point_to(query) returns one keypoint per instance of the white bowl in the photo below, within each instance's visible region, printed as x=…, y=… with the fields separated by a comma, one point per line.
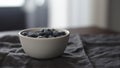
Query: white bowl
x=44, y=48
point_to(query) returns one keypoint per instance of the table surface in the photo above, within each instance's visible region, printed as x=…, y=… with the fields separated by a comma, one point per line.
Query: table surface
x=102, y=50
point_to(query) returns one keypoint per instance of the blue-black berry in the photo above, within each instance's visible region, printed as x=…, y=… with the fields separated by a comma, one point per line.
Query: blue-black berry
x=55, y=34
x=62, y=33
x=32, y=34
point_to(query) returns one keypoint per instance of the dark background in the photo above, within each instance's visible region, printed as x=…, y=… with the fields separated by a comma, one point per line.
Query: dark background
x=12, y=18
x=114, y=15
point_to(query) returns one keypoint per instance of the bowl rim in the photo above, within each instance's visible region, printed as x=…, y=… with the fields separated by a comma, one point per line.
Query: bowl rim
x=65, y=30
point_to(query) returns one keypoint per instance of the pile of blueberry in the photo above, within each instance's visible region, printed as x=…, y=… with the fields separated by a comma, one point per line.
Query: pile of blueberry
x=43, y=33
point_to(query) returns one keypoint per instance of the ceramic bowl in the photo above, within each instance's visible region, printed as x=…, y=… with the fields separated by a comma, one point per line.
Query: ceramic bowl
x=44, y=48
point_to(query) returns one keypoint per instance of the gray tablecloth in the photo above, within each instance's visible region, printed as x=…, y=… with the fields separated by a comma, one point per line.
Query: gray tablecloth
x=95, y=51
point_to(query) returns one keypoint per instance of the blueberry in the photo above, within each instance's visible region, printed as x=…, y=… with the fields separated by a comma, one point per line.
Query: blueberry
x=43, y=30
x=49, y=30
x=49, y=33
x=52, y=29
x=55, y=34
x=24, y=33
x=46, y=36
x=39, y=33
x=62, y=33
x=32, y=34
